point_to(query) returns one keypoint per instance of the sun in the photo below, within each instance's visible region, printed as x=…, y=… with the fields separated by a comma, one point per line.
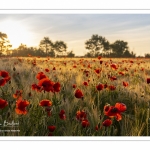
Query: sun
x=17, y=32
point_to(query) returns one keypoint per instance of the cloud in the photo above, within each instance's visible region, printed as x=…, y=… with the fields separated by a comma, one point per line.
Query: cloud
x=75, y=29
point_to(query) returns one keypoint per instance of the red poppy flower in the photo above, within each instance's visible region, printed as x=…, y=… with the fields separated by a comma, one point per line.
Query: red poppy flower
x=45, y=102
x=47, y=70
x=96, y=128
x=125, y=84
x=107, y=123
x=40, y=76
x=113, y=78
x=18, y=94
x=62, y=115
x=51, y=128
x=54, y=68
x=21, y=106
x=74, y=86
x=121, y=73
x=29, y=94
x=105, y=85
x=131, y=61
x=3, y=103
x=86, y=72
x=111, y=87
x=89, y=66
x=56, y=87
x=100, y=87
x=74, y=66
x=81, y=115
x=111, y=111
x=101, y=62
x=85, y=83
x=118, y=117
x=148, y=80
x=125, y=69
x=4, y=74
x=85, y=123
x=34, y=63
x=36, y=87
x=114, y=66
x=46, y=84
x=115, y=111
x=7, y=79
x=97, y=70
x=49, y=113
x=78, y=93
x=48, y=110
x=2, y=82
x=121, y=107
x=99, y=57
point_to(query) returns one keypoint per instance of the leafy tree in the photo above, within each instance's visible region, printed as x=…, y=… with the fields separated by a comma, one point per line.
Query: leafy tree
x=147, y=55
x=46, y=45
x=40, y=53
x=119, y=47
x=51, y=53
x=89, y=54
x=96, y=44
x=22, y=50
x=70, y=54
x=22, y=47
x=60, y=47
x=128, y=54
x=4, y=43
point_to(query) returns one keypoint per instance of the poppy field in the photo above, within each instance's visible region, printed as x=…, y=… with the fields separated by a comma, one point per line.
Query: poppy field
x=74, y=96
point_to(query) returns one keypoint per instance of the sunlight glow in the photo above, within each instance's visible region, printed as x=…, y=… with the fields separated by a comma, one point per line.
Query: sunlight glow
x=16, y=32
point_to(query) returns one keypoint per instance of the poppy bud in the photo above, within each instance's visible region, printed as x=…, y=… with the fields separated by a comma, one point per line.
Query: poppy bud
x=51, y=128
x=107, y=123
x=14, y=69
x=148, y=80
x=78, y=93
x=96, y=128
x=85, y=123
x=101, y=62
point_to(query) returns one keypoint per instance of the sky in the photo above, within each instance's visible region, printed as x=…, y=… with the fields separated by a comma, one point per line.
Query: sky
x=76, y=29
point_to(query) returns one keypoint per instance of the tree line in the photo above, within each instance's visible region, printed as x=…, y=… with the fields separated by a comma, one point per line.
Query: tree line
x=96, y=46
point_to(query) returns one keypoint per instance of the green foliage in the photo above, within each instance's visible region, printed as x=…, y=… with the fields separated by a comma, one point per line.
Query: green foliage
x=60, y=47
x=97, y=43
x=147, y=55
x=4, y=43
x=99, y=46
x=70, y=54
x=119, y=47
x=46, y=45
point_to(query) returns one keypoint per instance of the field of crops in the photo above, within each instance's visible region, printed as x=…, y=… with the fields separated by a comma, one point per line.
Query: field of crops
x=74, y=96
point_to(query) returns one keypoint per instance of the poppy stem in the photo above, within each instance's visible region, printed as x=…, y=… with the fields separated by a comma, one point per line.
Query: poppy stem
x=98, y=100
x=147, y=119
x=2, y=90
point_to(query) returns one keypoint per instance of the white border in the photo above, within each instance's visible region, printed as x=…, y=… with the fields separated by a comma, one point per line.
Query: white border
x=77, y=138
x=74, y=4
x=76, y=11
